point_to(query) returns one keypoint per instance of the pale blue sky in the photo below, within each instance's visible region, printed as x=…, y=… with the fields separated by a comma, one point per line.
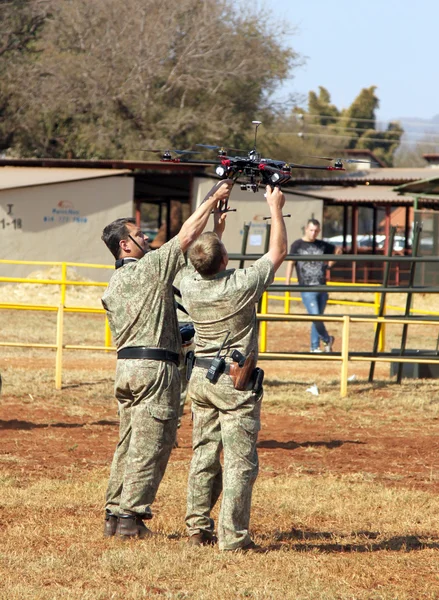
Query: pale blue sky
x=352, y=44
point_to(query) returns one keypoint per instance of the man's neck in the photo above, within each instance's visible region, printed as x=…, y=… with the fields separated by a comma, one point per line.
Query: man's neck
x=120, y=262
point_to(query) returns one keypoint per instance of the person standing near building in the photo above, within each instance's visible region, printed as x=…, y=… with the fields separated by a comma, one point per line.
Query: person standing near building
x=140, y=307
x=225, y=386
x=311, y=273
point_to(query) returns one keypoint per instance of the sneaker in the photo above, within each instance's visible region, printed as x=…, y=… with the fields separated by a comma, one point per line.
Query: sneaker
x=316, y=350
x=329, y=344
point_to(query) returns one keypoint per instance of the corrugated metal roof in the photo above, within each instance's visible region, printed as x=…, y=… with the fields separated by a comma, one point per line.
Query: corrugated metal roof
x=359, y=194
x=20, y=177
x=423, y=186
x=391, y=174
x=394, y=176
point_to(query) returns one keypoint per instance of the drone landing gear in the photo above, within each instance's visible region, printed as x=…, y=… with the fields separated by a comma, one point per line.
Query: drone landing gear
x=225, y=210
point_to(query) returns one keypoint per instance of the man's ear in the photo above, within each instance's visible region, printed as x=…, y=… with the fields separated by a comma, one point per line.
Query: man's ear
x=123, y=245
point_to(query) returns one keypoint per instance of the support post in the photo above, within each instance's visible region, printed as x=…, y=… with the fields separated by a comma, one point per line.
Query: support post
x=107, y=334
x=60, y=329
x=287, y=303
x=408, y=304
x=263, y=324
x=344, y=357
x=380, y=326
x=354, y=244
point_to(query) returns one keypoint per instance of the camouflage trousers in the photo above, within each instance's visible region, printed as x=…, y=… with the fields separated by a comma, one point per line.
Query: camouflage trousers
x=233, y=431
x=148, y=394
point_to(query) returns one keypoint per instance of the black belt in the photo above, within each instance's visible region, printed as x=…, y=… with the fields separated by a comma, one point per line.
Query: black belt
x=149, y=353
x=205, y=363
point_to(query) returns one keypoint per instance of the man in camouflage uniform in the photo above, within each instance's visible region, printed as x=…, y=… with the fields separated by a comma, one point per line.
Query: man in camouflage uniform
x=141, y=312
x=222, y=305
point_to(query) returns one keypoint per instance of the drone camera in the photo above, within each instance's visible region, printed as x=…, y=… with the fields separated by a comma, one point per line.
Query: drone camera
x=220, y=171
x=249, y=187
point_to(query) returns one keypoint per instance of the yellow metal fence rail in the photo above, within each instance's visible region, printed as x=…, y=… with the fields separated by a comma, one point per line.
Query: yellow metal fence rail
x=60, y=308
x=264, y=317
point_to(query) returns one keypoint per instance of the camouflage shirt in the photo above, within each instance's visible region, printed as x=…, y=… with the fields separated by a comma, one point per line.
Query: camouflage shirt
x=226, y=302
x=140, y=303
x=186, y=271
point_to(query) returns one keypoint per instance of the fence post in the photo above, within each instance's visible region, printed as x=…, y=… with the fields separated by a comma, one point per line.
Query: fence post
x=382, y=336
x=287, y=303
x=344, y=357
x=263, y=324
x=382, y=328
x=60, y=328
x=107, y=334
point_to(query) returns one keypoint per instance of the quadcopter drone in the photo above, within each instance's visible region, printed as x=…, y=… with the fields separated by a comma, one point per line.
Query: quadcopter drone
x=252, y=167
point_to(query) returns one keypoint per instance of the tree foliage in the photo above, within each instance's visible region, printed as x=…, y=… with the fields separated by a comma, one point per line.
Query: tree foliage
x=102, y=80
x=355, y=126
x=21, y=24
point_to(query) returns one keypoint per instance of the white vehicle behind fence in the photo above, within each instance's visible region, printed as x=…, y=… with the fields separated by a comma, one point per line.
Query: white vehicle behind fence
x=366, y=241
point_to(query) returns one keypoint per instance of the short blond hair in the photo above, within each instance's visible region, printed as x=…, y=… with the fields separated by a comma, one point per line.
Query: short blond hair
x=206, y=253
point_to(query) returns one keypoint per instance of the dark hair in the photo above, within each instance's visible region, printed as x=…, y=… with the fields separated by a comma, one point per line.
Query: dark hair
x=313, y=222
x=206, y=254
x=114, y=232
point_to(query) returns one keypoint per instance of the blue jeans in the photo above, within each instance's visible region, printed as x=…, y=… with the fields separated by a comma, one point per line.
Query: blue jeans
x=315, y=303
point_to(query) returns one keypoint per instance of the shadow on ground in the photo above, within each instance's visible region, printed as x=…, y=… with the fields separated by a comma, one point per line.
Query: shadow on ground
x=27, y=425
x=292, y=445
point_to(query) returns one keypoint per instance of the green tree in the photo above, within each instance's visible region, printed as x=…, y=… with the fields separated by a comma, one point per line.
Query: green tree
x=320, y=108
x=360, y=116
x=353, y=127
x=21, y=24
x=108, y=82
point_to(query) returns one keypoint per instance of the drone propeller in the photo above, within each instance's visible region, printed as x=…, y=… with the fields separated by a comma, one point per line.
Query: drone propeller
x=186, y=151
x=345, y=160
x=155, y=151
x=222, y=149
x=357, y=160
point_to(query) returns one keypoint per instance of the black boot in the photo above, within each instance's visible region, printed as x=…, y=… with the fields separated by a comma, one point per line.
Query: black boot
x=131, y=526
x=202, y=538
x=110, y=523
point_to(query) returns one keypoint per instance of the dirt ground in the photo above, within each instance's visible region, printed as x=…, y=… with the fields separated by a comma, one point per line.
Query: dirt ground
x=396, y=452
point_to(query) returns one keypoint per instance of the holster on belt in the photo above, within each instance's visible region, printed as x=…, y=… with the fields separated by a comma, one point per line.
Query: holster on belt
x=241, y=376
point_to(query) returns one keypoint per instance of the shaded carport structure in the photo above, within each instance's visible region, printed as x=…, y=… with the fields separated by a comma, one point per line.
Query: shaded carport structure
x=424, y=194
x=156, y=183
x=376, y=189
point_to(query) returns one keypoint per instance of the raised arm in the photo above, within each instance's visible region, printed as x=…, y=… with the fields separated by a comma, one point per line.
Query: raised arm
x=278, y=247
x=194, y=226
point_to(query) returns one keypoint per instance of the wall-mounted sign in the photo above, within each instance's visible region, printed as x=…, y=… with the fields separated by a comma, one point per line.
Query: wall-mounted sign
x=11, y=221
x=64, y=212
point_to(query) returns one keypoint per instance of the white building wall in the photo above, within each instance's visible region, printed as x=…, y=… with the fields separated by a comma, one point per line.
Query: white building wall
x=62, y=222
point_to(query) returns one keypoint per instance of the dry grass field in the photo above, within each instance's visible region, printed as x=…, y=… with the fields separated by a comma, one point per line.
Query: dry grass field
x=346, y=504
